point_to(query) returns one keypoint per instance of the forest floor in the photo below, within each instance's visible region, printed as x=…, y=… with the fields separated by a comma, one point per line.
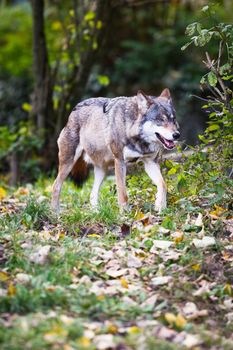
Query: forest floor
x=100, y=280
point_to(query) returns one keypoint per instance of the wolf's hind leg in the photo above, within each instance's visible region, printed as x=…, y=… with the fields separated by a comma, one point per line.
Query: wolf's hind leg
x=120, y=172
x=153, y=171
x=99, y=174
x=67, y=155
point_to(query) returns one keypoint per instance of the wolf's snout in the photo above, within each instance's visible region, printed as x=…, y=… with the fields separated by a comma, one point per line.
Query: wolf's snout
x=176, y=135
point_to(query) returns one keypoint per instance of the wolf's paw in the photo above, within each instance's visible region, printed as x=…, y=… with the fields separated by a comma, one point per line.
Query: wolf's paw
x=160, y=206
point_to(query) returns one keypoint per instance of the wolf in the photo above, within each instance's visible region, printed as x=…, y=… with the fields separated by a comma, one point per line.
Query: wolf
x=116, y=131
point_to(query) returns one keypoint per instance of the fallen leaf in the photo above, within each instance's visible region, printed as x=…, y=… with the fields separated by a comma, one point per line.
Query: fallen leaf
x=124, y=283
x=169, y=255
x=133, y=261
x=175, y=320
x=205, y=288
x=2, y=193
x=178, y=236
x=160, y=280
x=191, y=341
x=205, y=242
x=4, y=276
x=23, y=278
x=111, y=328
x=56, y=334
x=11, y=291
x=104, y=341
x=150, y=301
x=84, y=342
x=191, y=311
x=40, y=255
x=112, y=272
x=198, y=222
x=196, y=267
x=157, y=244
x=134, y=330
x=219, y=211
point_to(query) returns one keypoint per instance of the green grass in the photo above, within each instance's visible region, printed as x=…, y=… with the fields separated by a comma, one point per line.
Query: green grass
x=70, y=298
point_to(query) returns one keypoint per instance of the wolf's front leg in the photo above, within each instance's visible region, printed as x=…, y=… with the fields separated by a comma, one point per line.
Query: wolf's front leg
x=120, y=172
x=153, y=171
x=99, y=174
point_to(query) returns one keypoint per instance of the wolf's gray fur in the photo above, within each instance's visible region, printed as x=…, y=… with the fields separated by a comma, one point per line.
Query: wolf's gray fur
x=104, y=131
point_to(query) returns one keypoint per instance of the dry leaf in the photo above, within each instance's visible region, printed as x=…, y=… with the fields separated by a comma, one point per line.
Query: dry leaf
x=4, y=276
x=112, y=272
x=191, y=341
x=11, y=291
x=150, y=301
x=205, y=242
x=198, y=222
x=160, y=280
x=157, y=244
x=104, y=341
x=133, y=261
x=84, y=342
x=191, y=311
x=124, y=283
x=56, y=334
x=23, y=278
x=179, y=321
x=177, y=236
x=170, y=255
x=40, y=255
x=2, y=193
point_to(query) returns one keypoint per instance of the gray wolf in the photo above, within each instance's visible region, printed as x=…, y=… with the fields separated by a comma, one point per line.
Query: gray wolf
x=115, y=131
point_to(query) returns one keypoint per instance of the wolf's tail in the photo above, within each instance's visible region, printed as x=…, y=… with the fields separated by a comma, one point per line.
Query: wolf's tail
x=80, y=171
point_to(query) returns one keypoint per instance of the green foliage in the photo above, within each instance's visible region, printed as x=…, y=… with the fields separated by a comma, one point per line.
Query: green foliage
x=218, y=80
x=15, y=40
x=22, y=141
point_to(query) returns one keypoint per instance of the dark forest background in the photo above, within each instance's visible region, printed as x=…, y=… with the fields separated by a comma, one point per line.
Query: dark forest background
x=55, y=53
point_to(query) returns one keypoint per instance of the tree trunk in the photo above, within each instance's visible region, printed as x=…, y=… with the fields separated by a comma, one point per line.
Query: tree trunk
x=42, y=101
x=14, y=169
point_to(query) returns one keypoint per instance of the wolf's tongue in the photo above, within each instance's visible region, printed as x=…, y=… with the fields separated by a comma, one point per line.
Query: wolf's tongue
x=168, y=143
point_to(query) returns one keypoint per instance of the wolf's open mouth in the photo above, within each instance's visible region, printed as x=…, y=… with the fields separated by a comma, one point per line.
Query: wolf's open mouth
x=167, y=143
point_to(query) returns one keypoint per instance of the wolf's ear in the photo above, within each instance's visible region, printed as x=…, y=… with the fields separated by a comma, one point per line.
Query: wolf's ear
x=166, y=93
x=143, y=101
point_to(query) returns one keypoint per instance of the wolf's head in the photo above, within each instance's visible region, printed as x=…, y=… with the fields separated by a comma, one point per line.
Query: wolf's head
x=158, y=119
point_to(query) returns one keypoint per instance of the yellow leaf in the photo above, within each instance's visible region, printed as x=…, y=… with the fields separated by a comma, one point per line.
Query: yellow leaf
x=11, y=290
x=93, y=235
x=57, y=333
x=124, y=283
x=68, y=347
x=62, y=235
x=196, y=267
x=2, y=193
x=100, y=297
x=84, y=342
x=4, y=276
x=134, y=330
x=170, y=318
x=227, y=289
x=178, y=236
x=112, y=329
x=139, y=216
x=180, y=321
x=219, y=211
x=22, y=191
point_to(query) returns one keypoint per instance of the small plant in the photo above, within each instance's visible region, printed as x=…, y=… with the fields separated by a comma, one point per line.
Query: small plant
x=217, y=81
